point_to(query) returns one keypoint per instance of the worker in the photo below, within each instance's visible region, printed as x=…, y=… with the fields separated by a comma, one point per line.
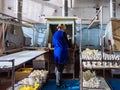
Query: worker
x=60, y=43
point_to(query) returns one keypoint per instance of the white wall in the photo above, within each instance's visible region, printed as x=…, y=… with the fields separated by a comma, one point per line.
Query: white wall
x=1, y=5
x=86, y=9
x=33, y=9
x=12, y=5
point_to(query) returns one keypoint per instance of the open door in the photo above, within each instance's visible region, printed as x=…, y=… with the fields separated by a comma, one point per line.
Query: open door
x=52, y=23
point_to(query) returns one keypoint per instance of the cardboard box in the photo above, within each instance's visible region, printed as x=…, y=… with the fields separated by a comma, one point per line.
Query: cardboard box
x=22, y=73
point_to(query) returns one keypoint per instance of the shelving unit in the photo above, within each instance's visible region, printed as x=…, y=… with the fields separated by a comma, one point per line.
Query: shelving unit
x=17, y=59
x=34, y=81
x=12, y=68
x=94, y=22
x=107, y=63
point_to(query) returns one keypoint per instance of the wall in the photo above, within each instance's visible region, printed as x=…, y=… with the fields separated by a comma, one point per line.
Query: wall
x=34, y=10
x=90, y=37
x=1, y=3
x=38, y=37
x=10, y=7
x=87, y=9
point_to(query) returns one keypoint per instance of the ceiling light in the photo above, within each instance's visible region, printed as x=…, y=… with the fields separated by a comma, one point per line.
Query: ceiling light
x=46, y=0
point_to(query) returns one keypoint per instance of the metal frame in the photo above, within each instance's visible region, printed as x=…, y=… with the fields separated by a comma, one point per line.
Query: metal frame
x=58, y=20
x=8, y=17
x=64, y=20
x=4, y=18
x=94, y=22
x=13, y=71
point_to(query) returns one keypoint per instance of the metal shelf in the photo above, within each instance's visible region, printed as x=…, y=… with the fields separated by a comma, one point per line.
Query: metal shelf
x=94, y=24
x=12, y=68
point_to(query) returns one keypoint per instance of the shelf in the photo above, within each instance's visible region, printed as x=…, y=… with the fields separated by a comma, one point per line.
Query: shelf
x=98, y=64
x=99, y=67
x=103, y=85
x=90, y=60
x=95, y=22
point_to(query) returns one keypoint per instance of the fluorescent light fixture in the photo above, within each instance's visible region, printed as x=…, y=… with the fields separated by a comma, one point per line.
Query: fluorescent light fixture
x=46, y=0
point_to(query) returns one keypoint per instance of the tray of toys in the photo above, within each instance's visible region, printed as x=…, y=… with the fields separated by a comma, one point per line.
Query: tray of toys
x=35, y=80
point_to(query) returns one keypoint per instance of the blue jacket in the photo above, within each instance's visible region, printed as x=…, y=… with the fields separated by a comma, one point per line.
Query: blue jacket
x=60, y=47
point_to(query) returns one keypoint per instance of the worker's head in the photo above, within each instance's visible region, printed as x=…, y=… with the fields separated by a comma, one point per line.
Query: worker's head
x=61, y=26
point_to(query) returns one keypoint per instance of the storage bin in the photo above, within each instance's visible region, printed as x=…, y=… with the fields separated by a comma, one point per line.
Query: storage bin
x=22, y=73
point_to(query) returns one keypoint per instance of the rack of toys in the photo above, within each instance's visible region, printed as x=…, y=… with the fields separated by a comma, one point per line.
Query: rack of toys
x=34, y=81
x=7, y=68
x=94, y=59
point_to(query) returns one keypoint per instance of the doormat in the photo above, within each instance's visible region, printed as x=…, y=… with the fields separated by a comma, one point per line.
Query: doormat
x=114, y=83
x=71, y=85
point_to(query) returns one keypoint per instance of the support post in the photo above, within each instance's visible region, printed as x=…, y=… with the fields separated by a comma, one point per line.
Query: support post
x=80, y=56
x=3, y=37
x=101, y=31
x=13, y=74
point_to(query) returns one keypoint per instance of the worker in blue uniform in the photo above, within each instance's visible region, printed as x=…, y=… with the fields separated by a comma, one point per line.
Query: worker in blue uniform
x=60, y=43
